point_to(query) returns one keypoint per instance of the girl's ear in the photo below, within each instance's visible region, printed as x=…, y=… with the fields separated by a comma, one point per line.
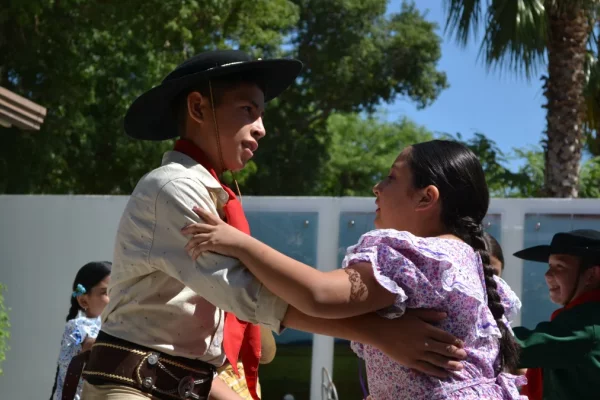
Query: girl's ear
x=83, y=301
x=427, y=197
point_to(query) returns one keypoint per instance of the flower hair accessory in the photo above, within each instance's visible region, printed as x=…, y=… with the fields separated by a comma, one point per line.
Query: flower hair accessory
x=79, y=290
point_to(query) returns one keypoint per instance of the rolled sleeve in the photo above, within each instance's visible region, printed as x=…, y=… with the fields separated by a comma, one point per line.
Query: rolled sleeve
x=222, y=281
x=270, y=310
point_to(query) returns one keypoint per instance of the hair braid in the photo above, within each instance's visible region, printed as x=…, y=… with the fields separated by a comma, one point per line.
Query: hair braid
x=472, y=233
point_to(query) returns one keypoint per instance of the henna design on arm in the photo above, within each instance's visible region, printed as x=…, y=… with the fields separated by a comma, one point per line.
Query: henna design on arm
x=358, y=289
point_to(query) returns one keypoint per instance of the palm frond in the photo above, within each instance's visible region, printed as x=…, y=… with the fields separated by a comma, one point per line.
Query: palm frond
x=516, y=36
x=464, y=18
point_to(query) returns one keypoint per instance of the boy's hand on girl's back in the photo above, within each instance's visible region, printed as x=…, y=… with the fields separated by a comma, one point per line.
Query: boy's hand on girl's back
x=413, y=342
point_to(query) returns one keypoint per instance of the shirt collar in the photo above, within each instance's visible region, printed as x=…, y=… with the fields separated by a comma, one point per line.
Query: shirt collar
x=203, y=174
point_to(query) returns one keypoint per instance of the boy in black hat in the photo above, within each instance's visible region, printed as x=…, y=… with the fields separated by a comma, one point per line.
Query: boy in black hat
x=172, y=321
x=563, y=355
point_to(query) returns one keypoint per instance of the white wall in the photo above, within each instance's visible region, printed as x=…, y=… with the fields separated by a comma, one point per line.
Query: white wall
x=44, y=240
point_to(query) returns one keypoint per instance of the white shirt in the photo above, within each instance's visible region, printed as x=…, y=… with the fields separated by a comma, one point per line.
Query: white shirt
x=161, y=298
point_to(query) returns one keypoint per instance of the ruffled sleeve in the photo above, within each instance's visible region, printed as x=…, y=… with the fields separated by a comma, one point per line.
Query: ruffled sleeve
x=72, y=338
x=394, y=256
x=509, y=300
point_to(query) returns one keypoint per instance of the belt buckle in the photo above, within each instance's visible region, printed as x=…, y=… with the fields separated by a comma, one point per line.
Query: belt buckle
x=186, y=387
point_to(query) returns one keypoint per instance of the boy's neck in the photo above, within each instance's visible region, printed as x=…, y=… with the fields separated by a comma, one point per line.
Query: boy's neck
x=584, y=296
x=201, y=155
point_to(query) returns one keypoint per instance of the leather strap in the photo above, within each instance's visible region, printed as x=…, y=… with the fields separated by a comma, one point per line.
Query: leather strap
x=115, y=361
x=74, y=374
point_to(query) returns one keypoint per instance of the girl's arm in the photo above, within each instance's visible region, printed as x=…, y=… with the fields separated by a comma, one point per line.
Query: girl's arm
x=337, y=294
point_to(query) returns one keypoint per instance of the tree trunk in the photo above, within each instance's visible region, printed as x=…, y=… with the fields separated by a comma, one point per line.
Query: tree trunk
x=568, y=31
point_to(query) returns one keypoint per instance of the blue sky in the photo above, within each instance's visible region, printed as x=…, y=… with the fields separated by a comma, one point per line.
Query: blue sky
x=503, y=106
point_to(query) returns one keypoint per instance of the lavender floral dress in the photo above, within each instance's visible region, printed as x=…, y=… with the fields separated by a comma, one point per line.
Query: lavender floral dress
x=441, y=274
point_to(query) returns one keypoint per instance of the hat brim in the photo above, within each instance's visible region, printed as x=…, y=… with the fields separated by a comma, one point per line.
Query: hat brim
x=535, y=253
x=542, y=253
x=151, y=117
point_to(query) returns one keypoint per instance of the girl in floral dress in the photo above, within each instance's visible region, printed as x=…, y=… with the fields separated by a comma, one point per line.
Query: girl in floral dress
x=428, y=251
x=88, y=299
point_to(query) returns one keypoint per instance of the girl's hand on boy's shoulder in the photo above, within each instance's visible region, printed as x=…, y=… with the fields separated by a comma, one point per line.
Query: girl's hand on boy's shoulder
x=213, y=235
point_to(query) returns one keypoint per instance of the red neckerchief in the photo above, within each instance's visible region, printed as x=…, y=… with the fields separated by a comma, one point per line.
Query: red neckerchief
x=240, y=339
x=535, y=376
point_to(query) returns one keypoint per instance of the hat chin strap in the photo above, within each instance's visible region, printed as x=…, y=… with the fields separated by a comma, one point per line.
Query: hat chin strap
x=572, y=296
x=218, y=137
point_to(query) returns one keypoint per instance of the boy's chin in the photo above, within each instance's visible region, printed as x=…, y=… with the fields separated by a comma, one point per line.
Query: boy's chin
x=236, y=166
x=556, y=300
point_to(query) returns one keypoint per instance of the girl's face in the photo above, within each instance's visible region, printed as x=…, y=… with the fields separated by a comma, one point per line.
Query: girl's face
x=403, y=207
x=396, y=197
x=94, y=301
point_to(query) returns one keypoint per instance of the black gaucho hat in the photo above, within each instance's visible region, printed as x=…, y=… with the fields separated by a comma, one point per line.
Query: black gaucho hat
x=151, y=116
x=580, y=243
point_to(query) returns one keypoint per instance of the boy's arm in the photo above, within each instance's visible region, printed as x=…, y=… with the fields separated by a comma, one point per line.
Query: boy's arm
x=553, y=345
x=410, y=340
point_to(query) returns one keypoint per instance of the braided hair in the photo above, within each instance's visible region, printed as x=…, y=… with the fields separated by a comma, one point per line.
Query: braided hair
x=464, y=196
x=88, y=276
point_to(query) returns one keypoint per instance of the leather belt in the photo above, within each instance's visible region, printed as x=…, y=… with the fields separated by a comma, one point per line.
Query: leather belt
x=117, y=361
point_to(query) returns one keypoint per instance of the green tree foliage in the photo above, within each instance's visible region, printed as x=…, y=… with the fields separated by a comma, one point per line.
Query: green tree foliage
x=524, y=35
x=362, y=151
x=355, y=59
x=502, y=182
x=528, y=179
x=87, y=60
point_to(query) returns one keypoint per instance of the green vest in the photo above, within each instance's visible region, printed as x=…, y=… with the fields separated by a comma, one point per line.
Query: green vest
x=568, y=350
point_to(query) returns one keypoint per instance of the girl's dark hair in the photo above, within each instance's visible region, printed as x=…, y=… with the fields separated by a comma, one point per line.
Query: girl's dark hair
x=464, y=196
x=494, y=247
x=88, y=276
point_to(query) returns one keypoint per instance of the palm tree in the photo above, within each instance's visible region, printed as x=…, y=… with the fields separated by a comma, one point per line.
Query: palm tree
x=592, y=103
x=524, y=35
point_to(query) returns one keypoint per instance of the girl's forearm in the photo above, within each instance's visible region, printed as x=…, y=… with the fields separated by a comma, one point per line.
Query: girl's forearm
x=291, y=280
x=336, y=294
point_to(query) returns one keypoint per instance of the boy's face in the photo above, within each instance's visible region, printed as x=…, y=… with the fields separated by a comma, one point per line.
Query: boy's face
x=561, y=277
x=239, y=118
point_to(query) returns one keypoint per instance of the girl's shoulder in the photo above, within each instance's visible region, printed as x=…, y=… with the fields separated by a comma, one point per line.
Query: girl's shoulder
x=406, y=242
x=79, y=328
